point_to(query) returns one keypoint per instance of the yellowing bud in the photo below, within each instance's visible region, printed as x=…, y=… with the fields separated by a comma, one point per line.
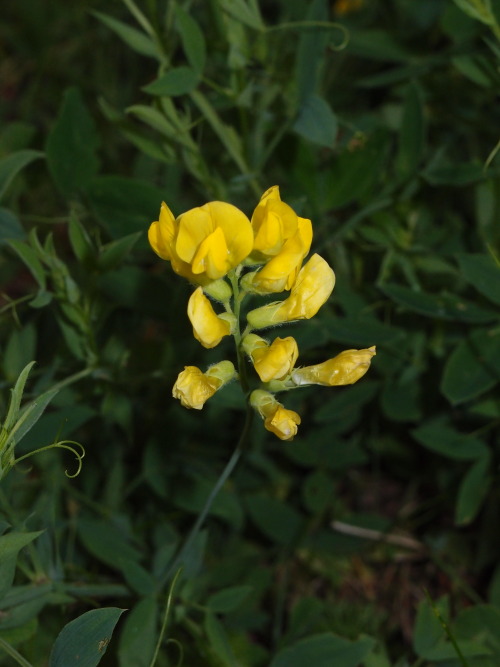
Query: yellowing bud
x=271, y=362
x=208, y=327
x=314, y=284
x=277, y=419
x=346, y=368
x=193, y=387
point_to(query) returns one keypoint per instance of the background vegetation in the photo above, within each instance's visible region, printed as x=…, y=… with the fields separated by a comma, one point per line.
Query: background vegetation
x=370, y=540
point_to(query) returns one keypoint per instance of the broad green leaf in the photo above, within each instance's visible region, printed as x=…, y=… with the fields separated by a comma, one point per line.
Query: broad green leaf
x=243, y=11
x=400, y=401
x=134, y=38
x=193, y=40
x=11, y=165
x=473, y=367
x=112, y=254
x=218, y=640
x=10, y=545
x=30, y=258
x=177, y=81
x=72, y=145
x=473, y=490
x=325, y=650
x=447, y=651
x=437, y=436
x=106, y=542
x=138, y=579
x=84, y=641
x=441, y=306
x=482, y=272
x=276, y=519
x=316, y=121
x=475, y=621
x=10, y=227
x=139, y=634
x=411, y=134
x=228, y=599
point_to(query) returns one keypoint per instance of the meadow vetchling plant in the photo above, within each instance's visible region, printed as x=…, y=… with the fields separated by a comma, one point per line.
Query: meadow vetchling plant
x=228, y=257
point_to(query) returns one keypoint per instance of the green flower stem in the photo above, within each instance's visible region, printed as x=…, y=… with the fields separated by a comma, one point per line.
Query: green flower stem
x=10, y=650
x=165, y=618
x=230, y=466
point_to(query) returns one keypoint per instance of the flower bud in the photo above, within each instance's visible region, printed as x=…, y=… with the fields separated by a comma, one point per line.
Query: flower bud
x=208, y=327
x=314, y=284
x=277, y=419
x=271, y=362
x=218, y=290
x=193, y=387
x=346, y=368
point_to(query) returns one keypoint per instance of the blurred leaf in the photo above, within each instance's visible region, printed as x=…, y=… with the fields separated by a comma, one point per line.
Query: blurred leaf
x=107, y=543
x=218, y=640
x=228, y=599
x=191, y=496
x=112, y=254
x=193, y=40
x=11, y=165
x=442, y=172
x=473, y=367
x=310, y=53
x=277, y=520
x=138, y=579
x=441, y=306
x=124, y=205
x=80, y=240
x=443, y=439
x=412, y=133
x=85, y=640
x=30, y=258
x=134, y=38
x=139, y=634
x=482, y=272
x=400, y=402
x=316, y=121
x=324, y=650
x=473, y=490
x=428, y=631
x=10, y=227
x=10, y=545
x=176, y=81
x=377, y=45
x=477, y=10
x=317, y=491
x=245, y=12
x=72, y=145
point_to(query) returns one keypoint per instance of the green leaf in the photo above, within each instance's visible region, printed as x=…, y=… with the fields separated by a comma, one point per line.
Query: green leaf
x=193, y=40
x=482, y=272
x=276, y=519
x=84, y=641
x=16, y=397
x=244, y=12
x=10, y=227
x=219, y=641
x=324, y=650
x=228, y=599
x=311, y=51
x=411, y=134
x=317, y=491
x=428, y=631
x=477, y=10
x=11, y=165
x=10, y=545
x=107, y=543
x=71, y=145
x=316, y=121
x=437, y=436
x=177, y=81
x=134, y=38
x=473, y=367
x=30, y=414
x=442, y=306
x=473, y=490
x=377, y=45
x=30, y=258
x=138, y=637
x=80, y=240
x=112, y=254
x=441, y=172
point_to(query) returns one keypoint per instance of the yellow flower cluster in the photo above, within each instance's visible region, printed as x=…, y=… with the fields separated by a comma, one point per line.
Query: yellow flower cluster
x=228, y=256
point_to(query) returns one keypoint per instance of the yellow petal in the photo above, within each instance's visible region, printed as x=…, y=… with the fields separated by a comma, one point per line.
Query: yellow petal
x=276, y=361
x=273, y=223
x=208, y=327
x=161, y=233
x=194, y=227
x=237, y=230
x=314, y=284
x=193, y=388
x=346, y=368
x=211, y=256
x=283, y=423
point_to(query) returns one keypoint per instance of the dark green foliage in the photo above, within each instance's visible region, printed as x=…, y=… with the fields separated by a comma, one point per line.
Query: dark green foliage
x=377, y=120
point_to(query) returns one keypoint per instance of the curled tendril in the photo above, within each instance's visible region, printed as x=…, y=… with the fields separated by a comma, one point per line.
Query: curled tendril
x=73, y=446
x=180, y=648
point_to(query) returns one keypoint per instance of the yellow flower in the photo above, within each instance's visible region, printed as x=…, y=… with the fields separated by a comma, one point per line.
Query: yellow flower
x=346, y=368
x=208, y=327
x=277, y=419
x=271, y=362
x=193, y=387
x=273, y=223
x=204, y=243
x=314, y=284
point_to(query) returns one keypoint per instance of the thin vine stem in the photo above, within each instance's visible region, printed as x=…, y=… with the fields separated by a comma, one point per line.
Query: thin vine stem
x=165, y=617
